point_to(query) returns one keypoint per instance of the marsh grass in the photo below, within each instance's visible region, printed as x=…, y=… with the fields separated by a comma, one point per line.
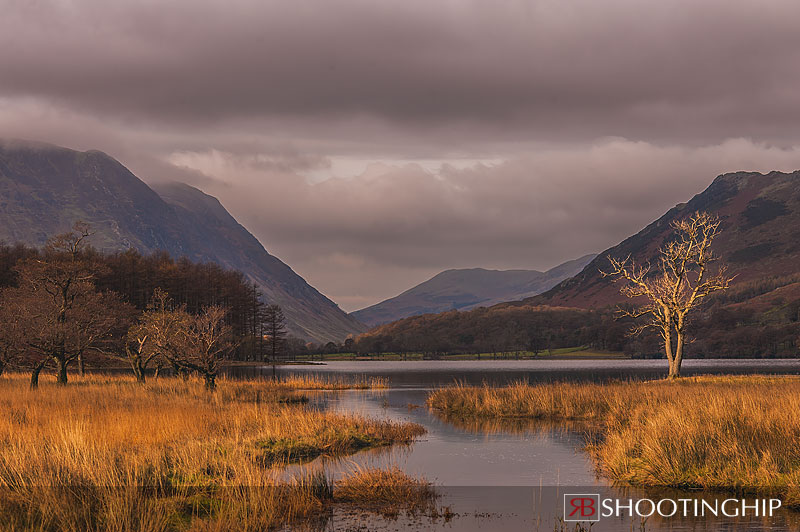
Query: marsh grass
x=105, y=453
x=318, y=382
x=387, y=490
x=737, y=433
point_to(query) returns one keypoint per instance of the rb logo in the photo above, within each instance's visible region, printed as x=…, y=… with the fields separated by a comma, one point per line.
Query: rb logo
x=581, y=507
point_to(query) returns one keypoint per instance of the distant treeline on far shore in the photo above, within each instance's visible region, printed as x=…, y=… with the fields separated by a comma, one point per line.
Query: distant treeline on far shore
x=745, y=322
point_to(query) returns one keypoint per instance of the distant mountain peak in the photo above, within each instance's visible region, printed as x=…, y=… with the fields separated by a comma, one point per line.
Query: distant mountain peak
x=467, y=288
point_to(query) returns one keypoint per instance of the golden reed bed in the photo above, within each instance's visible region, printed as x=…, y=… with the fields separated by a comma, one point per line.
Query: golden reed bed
x=734, y=433
x=105, y=453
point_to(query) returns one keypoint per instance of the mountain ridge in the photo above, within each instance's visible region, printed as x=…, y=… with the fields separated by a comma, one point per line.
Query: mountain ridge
x=45, y=188
x=760, y=214
x=465, y=289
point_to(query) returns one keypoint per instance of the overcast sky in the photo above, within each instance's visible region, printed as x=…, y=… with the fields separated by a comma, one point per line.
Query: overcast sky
x=371, y=143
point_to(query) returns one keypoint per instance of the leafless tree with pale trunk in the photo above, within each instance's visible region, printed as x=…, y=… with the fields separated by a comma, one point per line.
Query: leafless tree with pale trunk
x=680, y=283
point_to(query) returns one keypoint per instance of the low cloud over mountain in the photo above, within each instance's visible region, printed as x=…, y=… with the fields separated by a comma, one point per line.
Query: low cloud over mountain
x=506, y=134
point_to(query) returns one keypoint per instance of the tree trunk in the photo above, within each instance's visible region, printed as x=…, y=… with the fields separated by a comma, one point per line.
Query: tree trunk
x=179, y=371
x=138, y=370
x=666, y=332
x=211, y=381
x=35, y=374
x=81, y=366
x=61, y=366
x=675, y=367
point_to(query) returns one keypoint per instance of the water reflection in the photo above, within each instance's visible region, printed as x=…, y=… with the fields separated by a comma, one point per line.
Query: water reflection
x=427, y=374
x=542, y=427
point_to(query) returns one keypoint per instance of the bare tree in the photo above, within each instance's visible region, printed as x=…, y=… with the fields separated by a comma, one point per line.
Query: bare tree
x=155, y=335
x=206, y=343
x=275, y=329
x=190, y=343
x=61, y=315
x=52, y=284
x=680, y=282
x=44, y=333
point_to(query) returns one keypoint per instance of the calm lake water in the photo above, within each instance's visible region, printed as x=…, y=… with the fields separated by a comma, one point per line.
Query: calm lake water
x=504, y=476
x=431, y=373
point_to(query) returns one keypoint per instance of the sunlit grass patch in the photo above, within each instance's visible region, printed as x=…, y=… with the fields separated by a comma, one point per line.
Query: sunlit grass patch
x=318, y=382
x=387, y=490
x=738, y=433
x=105, y=453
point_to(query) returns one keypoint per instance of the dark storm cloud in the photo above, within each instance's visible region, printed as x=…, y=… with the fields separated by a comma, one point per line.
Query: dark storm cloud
x=552, y=69
x=510, y=133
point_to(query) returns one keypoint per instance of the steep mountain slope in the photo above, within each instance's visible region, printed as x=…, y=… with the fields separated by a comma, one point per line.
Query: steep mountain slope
x=760, y=236
x=465, y=289
x=44, y=189
x=759, y=316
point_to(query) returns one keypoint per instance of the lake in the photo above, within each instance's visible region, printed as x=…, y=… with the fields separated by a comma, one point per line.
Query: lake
x=504, y=476
x=431, y=373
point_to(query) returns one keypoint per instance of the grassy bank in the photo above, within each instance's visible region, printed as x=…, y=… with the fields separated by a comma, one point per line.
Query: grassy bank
x=105, y=453
x=731, y=433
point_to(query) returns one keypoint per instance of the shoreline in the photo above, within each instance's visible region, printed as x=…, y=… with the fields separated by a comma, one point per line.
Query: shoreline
x=459, y=359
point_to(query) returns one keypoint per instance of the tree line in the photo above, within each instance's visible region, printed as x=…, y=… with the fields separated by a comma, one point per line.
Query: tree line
x=717, y=330
x=505, y=328
x=67, y=304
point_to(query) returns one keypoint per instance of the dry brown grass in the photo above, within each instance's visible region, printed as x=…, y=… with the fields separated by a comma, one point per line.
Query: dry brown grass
x=387, y=490
x=732, y=433
x=104, y=453
x=521, y=400
x=318, y=382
